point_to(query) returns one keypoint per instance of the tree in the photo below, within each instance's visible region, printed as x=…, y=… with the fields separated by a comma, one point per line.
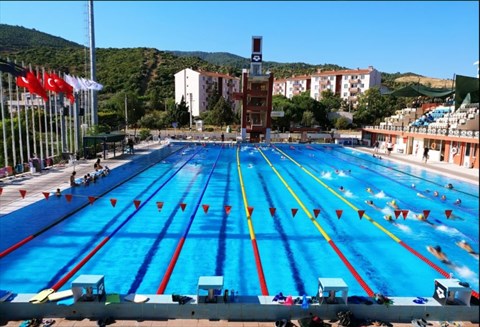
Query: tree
x=308, y=119
x=221, y=113
x=341, y=123
x=372, y=108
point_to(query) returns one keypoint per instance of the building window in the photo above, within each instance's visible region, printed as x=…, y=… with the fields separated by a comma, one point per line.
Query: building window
x=345, y=94
x=345, y=86
x=345, y=77
x=362, y=76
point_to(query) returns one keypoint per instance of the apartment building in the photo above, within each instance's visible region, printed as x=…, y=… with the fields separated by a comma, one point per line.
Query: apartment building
x=348, y=84
x=196, y=86
x=292, y=86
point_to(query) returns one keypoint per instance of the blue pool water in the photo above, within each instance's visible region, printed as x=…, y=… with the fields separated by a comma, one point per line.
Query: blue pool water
x=194, y=184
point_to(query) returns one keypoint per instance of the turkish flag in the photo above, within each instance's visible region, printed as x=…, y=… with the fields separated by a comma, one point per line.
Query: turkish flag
x=64, y=87
x=32, y=84
x=49, y=83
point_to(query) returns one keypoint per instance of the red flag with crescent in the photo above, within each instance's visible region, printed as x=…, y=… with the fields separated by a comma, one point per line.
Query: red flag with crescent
x=49, y=83
x=316, y=212
x=404, y=214
x=448, y=213
x=113, y=202
x=250, y=211
x=397, y=213
x=23, y=193
x=91, y=199
x=68, y=197
x=46, y=195
x=228, y=209
x=159, y=206
x=183, y=205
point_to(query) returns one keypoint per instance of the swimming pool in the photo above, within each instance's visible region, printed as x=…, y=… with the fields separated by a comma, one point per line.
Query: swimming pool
x=268, y=219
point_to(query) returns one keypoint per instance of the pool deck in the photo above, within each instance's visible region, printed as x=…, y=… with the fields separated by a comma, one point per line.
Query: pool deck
x=33, y=186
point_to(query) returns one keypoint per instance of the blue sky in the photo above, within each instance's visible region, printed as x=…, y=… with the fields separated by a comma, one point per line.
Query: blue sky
x=430, y=38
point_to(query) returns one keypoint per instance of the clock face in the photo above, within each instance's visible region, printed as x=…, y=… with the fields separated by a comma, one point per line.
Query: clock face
x=256, y=57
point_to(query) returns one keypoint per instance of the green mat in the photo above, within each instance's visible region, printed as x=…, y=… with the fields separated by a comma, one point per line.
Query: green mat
x=112, y=298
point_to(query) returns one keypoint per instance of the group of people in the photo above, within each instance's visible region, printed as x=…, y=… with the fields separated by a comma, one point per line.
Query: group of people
x=100, y=171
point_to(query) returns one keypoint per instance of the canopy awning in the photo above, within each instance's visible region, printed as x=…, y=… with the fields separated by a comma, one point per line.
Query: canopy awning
x=416, y=90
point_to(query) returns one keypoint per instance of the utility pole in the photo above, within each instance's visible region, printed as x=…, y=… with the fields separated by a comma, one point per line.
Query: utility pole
x=190, y=109
x=126, y=114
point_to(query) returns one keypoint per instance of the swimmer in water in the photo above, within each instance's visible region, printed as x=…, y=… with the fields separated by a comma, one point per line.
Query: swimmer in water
x=371, y=204
x=458, y=202
x=443, y=197
x=341, y=189
x=467, y=247
x=437, y=252
x=421, y=195
x=369, y=190
x=420, y=217
x=393, y=204
x=435, y=193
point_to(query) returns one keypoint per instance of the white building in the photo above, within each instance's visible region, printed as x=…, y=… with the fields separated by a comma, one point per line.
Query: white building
x=291, y=86
x=195, y=87
x=348, y=84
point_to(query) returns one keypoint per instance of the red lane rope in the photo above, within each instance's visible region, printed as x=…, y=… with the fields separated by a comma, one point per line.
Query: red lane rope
x=171, y=266
x=261, y=276
x=352, y=269
x=16, y=246
x=65, y=279
x=433, y=265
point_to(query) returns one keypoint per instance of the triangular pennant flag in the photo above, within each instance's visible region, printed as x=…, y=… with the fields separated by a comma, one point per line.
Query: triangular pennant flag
x=294, y=212
x=397, y=213
x=113, y=202
x=91, y=199
x=205, y=207
x=227, y=209
x=316, y=212
x=250, y=211
x=183, y=205
x=404, y=214
x=272, y=211
x=360, y=213
x=46, y=195
x=1, y=190
x=136, y=203
x=159, y=206
x=68, y=197
x=448, y=213
x=426, y=213
x=22, y=193
x=339, y=213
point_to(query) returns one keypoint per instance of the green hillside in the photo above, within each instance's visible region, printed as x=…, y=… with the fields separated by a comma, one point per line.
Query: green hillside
x=15, y=38
x=145, y=72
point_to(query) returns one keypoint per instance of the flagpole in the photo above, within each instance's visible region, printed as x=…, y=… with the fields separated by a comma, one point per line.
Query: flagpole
x=20, y=138
x=40, y=129
x=5, y=152
x=56, y=124
x=52, y=150
x=14, y=149
x=33, y=121
x=26, y=122
x=45, y=118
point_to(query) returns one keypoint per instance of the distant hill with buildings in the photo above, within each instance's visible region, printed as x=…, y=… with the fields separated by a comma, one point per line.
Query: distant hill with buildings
x=147, y=72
